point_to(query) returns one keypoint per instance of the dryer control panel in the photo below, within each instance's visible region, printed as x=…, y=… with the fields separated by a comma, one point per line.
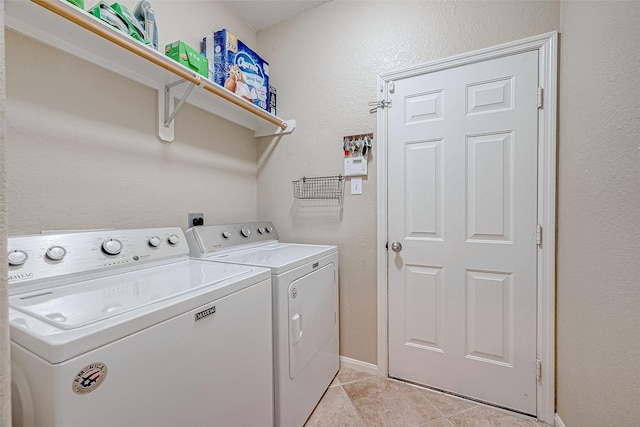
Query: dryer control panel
x=205, y=240
x=57, y=257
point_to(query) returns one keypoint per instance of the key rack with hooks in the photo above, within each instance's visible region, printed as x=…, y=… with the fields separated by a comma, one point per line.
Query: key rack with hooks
x=357, y=145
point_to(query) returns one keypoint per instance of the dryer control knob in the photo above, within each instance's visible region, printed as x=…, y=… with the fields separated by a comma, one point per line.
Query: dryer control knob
x=245, y=232
x=112, y=246
x=261, y=230
x=154, y=241
x=17, y=257
x=226, y=234
x=173, y=239
x=269, y=229
x=56, y=253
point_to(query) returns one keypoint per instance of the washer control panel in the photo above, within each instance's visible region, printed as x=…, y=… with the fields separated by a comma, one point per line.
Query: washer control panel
x=206, y=239
x=39, y=257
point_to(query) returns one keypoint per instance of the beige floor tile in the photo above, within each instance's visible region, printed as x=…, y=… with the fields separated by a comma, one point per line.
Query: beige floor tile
x=447, y=405
x=540, y=423
x=335, y=409
x=481, y=416
x=440, y=422
x=335, y=382
x=347, y=375
x=382, y=402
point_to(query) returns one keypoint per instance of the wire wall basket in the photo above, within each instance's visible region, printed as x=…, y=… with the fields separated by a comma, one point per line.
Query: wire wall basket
x=319, y=188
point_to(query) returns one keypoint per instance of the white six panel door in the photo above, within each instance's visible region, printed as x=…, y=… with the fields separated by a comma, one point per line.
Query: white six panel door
x=462, y=201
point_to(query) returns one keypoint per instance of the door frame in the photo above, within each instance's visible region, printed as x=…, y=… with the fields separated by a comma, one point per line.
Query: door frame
x=547, y=47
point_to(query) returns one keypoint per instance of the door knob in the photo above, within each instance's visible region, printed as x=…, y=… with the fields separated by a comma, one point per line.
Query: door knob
x=396, y=246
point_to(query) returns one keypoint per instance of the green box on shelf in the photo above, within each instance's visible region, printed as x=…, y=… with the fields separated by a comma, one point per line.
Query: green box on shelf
x=187, y=56
x=77, y=3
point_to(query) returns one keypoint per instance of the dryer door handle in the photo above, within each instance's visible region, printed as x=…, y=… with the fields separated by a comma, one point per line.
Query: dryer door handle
x=296, y=327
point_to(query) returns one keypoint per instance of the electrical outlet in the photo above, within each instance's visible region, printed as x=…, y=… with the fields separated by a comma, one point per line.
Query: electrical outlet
x=195, y=219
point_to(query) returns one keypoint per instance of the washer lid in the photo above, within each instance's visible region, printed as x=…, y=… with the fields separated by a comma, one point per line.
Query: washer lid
x=278, y=257
x=149, y=296
x=78, y=304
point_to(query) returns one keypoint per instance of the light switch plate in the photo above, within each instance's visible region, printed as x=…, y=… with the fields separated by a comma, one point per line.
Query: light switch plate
x=356, y=185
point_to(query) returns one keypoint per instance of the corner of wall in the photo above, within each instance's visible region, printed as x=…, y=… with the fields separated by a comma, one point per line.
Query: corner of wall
x=5, y=371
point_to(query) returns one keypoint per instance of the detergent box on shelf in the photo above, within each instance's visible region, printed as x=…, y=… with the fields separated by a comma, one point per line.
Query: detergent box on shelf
x=187, y=56
x=236, y=67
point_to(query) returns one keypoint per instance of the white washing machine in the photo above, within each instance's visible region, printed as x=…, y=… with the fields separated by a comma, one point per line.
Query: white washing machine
x=122, y=328
x=305, y=308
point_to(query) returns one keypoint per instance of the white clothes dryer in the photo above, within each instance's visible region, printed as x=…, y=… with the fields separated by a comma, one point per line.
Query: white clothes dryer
x=122, y=328
x=305, y=308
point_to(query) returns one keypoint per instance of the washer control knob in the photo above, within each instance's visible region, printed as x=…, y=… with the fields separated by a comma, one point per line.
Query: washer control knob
x=154, y=241
x=261, y=230
x=17, y=257
x=55, y=253
x=226, y=234
x=269, y=229
x=173, y=239
x=112, y=246
x=245, y=232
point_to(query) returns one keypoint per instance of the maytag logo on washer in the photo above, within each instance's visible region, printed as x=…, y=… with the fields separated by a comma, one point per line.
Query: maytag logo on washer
x=204, y=313
x=21, y=276
x=89, y=378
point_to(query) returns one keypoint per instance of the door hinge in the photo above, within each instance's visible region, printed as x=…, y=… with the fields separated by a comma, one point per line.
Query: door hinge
x=538, y=370
x=540, y=97
x=538, y=235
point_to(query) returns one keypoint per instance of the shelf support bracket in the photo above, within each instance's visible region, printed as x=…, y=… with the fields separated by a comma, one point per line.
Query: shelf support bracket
x=168, y=113
x=168, y=117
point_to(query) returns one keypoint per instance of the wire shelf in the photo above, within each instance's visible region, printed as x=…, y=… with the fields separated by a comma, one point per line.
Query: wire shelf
x=321, y=187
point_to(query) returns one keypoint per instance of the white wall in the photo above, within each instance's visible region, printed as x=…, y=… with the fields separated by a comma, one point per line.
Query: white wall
x=598, y=285
x=82, y=145
x=324, y=64
x=5, y=372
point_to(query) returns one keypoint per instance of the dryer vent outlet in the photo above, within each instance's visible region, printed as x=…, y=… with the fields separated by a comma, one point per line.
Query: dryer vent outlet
x=195, y=219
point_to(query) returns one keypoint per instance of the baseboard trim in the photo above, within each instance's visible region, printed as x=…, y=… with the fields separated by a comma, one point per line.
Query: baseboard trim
x=358, y=365
x=558, y=422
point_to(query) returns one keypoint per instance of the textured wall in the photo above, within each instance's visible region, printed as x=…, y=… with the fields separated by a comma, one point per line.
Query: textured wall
x=324, y=64
x=83, y=151
x=5, y=379
x=598, y=290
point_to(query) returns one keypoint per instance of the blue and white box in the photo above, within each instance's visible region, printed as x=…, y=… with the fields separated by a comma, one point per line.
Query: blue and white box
x=236, y=67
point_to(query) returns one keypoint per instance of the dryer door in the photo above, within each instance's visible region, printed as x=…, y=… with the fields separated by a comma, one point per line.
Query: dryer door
x=312, y=316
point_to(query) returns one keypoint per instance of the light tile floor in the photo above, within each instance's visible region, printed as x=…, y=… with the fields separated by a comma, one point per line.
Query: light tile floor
x=358, y=399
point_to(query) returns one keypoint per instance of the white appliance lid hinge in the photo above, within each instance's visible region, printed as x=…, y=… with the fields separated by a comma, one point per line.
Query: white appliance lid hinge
x=538, y=235
x=538, y=370
x=540, y=97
